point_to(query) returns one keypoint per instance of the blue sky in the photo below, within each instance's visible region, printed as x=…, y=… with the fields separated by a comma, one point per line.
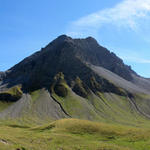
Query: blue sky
x=120, y=25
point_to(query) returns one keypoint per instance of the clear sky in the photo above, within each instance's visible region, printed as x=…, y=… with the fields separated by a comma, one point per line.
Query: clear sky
x=120, y=25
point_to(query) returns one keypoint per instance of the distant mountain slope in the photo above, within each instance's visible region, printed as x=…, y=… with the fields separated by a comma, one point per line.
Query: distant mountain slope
x=141, y=82
x=74, y=78
x=138, y=84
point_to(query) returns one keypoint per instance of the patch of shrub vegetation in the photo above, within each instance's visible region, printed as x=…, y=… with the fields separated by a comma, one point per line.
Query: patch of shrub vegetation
x=80, y=88
x=60, y=85
x=94, y=84
x=61, y=90
x=12, y=94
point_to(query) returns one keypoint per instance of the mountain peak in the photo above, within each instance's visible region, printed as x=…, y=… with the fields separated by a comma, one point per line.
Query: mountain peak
x=63, y=37
x=59, y=40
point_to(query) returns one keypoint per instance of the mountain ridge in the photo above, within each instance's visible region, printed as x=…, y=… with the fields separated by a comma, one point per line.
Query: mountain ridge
x=77, y=48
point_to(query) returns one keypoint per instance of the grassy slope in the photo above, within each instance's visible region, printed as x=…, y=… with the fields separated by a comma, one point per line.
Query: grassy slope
x=73, y=134
x=4, y=105
x=77, y=106
x=106, y=107
x=116, y=109
x=120, y=127
x=14, y=91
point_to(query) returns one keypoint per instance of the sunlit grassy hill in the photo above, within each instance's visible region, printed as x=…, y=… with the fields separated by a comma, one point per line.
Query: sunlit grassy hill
x=73, y=134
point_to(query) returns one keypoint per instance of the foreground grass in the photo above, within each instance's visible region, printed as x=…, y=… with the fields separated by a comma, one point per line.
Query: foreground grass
x=73, y=134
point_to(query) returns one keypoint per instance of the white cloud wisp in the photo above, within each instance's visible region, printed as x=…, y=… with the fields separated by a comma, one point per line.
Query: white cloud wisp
x=126, y=14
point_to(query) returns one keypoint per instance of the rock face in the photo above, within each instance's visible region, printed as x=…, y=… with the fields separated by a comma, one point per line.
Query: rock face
x=2, y=75
x=69, y=56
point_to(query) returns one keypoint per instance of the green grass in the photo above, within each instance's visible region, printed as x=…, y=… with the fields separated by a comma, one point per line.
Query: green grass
x=73, y=134
x=106, y=107
x=35, y=95
x=76, y=106
x=120, y=127
x=4, y=105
